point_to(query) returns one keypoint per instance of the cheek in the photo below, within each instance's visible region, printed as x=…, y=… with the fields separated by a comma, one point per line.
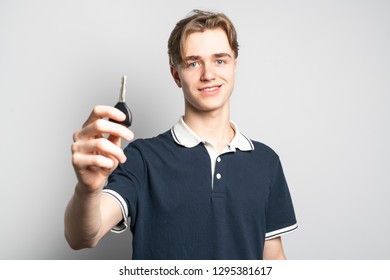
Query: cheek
x=227, y=72
x=188, y=80
x=186, y=88
x=229, y=75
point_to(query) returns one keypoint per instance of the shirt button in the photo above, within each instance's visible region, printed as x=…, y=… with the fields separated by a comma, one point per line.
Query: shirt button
x=218, y=176
x=218, y=159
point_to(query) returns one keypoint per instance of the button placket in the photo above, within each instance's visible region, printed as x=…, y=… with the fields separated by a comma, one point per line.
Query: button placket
x=219, y=176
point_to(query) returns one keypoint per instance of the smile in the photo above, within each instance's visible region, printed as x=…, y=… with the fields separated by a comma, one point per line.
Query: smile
x=210, y=89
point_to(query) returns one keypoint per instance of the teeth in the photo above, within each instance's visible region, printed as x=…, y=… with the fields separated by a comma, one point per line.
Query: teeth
x=210, y=89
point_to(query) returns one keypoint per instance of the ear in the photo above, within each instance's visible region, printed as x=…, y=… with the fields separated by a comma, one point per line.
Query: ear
x=175, y=76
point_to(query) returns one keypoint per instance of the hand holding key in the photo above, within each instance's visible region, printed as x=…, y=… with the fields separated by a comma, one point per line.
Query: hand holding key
x=94, y=156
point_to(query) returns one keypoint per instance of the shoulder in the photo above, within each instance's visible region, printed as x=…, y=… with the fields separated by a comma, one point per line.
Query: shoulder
x=159, y=142
x=163, y=137
x=264, y=150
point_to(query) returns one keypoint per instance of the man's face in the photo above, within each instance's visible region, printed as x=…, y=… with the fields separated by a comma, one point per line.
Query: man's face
x=207, y=74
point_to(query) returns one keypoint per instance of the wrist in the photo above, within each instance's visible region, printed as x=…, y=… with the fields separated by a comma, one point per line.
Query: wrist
x=86, y=191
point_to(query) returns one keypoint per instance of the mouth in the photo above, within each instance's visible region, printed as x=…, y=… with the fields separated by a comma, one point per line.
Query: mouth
x=210, y=89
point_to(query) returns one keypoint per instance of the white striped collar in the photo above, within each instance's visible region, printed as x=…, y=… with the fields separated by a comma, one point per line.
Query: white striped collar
x=184, y=136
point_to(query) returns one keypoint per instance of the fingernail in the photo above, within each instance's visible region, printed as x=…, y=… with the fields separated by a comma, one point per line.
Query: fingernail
x=129, y=135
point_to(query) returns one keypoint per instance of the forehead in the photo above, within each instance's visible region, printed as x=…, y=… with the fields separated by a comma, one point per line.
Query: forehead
x=207, y=43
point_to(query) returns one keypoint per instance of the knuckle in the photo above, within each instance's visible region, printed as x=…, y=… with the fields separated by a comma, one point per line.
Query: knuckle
x=95, y=110
x=101, y=161
x=75, y=159
x=98, y=125
x=100, y=144
x=76, y=136
x=95, y=160
x=74, y=148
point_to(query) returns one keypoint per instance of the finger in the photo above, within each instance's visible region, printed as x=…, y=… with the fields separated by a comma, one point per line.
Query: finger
x=100, y=146
x=115, y=140
x=103, y=111
x=99, y=127
x=84, y=161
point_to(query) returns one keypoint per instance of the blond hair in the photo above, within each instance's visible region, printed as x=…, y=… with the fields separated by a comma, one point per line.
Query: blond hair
x=199, y=21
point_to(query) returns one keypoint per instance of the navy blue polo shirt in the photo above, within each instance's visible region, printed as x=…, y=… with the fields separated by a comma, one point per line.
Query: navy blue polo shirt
x=187, y=201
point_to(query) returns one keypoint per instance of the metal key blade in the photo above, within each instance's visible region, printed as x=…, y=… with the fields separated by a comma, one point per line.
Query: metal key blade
x=121, y=105
x=122, y=94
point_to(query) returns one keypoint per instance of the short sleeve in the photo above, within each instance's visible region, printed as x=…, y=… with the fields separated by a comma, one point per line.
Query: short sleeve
x=125, y=183
x=280, y=217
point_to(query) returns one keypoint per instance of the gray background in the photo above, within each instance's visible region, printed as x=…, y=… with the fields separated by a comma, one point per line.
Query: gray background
x=313, y=83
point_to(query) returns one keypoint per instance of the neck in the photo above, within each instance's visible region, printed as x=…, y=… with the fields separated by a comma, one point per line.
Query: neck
x=211, y=126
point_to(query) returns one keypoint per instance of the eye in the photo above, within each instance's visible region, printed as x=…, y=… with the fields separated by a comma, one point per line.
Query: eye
x=193, y=64
x=220, y=62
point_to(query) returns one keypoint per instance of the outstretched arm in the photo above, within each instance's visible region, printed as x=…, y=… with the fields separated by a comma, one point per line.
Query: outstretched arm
x=89, y=214
x=273, y=249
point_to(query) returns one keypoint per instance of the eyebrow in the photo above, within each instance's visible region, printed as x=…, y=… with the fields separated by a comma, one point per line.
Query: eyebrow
x=218, y=55
x=198, y=57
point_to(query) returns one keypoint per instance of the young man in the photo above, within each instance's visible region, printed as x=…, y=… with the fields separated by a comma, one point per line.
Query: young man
x=201, y=190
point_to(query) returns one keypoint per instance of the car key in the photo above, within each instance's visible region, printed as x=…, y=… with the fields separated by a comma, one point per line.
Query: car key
x=122, y=106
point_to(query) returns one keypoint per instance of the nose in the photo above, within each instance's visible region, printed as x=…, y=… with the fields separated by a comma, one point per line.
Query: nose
x=208, y=73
